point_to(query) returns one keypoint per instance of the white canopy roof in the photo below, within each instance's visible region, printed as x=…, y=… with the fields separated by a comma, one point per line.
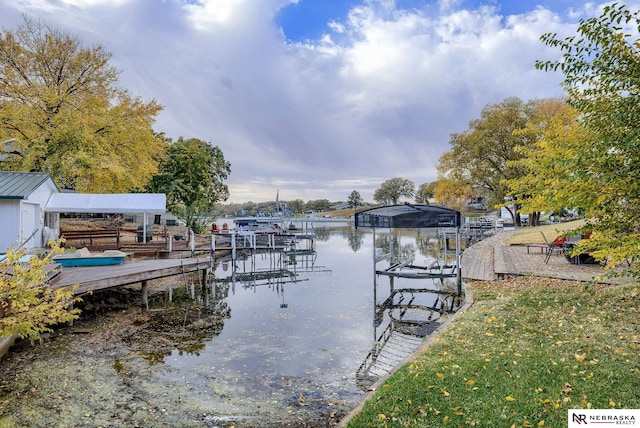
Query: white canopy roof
x=121, y=203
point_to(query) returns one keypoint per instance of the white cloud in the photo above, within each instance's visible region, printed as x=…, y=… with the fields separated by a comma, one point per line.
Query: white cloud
x=205, y=13
x=376, y=97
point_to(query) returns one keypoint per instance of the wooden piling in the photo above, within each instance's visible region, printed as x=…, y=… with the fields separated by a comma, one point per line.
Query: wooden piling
x=144, y=301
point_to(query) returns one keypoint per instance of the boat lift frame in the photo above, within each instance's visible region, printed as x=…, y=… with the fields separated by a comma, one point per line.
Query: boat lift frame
x=413, y=216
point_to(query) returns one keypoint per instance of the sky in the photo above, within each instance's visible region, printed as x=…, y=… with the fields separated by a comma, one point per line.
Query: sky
x=316, y=98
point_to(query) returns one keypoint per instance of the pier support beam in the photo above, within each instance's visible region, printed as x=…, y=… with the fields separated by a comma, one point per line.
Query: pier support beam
x=70, y=308
x=144, y=300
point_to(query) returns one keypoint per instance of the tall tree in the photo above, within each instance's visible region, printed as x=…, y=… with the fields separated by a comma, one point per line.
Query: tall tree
x=355, y=200
x=601, y=65
x=192, y=175
x=480, y=156
x=297, y=206
x=318, y=205
x=550, y=183
x=390, y=192
x=425, y=192
x=453, y=187
x=64, y=115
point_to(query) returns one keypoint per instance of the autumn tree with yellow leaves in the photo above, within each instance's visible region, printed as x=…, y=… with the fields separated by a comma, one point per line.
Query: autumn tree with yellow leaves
x=62, y=113
x=479, y=159
x=590, y=158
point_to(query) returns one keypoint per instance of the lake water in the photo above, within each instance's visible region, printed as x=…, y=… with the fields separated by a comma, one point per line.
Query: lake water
x=289, y=339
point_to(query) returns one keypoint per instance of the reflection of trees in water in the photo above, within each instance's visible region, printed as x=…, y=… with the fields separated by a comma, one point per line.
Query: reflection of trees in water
x=428, y=244
x=401, y=252
x=355, y=240
x=322, y=234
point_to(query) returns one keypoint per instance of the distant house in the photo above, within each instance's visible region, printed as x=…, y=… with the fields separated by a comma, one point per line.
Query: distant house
x=340, y=206
x=31, y=204
x=477, y=203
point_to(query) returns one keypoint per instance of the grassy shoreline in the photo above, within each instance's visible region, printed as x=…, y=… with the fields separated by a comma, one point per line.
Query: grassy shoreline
x=528, y=350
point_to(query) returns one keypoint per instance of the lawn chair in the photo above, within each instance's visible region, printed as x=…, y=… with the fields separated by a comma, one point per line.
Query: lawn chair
x=543, y=247
x=557, y=246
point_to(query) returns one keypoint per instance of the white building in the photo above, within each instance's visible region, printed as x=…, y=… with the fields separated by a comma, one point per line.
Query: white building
x=23, y=197
x=31, y=203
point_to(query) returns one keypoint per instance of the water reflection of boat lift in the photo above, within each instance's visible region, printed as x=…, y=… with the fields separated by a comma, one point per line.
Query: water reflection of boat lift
x=408, y=320
x=410, y=270
x=285, y=265
x=261, y=277
x=445, y=302
x=407, y=324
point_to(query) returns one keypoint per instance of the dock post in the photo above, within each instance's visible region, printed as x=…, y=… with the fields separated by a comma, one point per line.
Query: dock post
x=203, y=283
x=458, y=261
x=144, y=300
x=193, y=242
x=70, y=322
x=233, y=247
x=170, y=243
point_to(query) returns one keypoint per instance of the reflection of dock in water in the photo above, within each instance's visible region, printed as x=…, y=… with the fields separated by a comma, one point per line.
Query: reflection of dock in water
x=273, y=267
x=268, y=276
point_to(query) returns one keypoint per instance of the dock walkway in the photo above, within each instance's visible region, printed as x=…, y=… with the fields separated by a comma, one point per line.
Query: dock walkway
x=96, y=278
x=493, y=258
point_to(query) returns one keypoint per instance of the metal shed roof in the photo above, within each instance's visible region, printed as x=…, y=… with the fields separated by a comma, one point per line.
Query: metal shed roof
x=408, y=216
x=120, y=203
x=19, y=185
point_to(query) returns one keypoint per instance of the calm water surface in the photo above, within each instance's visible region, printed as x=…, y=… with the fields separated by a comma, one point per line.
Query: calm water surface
x=296, y=330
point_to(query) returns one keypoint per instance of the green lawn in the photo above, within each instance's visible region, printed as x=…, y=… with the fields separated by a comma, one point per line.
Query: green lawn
x=530, y=235
x=528, y=350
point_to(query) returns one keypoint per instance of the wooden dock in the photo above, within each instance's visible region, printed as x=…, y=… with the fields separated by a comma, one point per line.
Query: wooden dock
x=98, y=278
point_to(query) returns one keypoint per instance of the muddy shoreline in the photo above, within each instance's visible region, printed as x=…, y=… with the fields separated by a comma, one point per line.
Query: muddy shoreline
x=108, y=370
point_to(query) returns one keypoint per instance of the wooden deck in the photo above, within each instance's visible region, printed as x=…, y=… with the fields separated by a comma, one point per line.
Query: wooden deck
x=97, y=278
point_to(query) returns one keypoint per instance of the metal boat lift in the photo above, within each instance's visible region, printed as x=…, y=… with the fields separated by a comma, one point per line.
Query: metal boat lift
x=414, y=216
x=403, y=332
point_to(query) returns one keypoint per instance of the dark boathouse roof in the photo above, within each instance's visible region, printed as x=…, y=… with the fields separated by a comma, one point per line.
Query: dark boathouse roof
x=408, y=216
